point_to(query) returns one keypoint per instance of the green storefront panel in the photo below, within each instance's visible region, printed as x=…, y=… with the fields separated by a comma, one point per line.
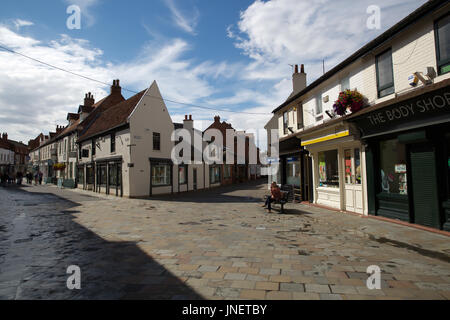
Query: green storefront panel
x=424, y=183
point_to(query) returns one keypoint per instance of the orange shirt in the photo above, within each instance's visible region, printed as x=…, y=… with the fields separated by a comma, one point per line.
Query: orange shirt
x=276, y=193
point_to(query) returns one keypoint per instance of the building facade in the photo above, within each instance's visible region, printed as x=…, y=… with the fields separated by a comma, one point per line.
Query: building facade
x=390, y=157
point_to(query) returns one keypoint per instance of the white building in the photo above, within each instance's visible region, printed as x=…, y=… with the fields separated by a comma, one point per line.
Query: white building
x=329, y=152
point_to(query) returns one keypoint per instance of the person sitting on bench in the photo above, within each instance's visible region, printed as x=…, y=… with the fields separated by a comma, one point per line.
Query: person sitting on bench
x=275, y=195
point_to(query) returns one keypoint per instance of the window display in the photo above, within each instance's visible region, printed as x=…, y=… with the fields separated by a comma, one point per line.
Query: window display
x=182, y=174
x=293, y=171
x=214, y=174
x=328, y=169
x=393, y=167
x=160, y=175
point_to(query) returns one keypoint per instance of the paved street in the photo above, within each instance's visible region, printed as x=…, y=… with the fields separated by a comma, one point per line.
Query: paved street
x=216, y=244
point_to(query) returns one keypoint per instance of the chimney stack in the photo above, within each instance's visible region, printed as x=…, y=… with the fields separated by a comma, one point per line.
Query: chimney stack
x=89, y=100
x=217, y=119
x=298, y=79
x=5, y=136
x=115, y=88
x=188, y=123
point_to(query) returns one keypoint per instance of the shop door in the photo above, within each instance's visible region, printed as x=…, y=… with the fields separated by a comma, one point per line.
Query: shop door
x=424, y=185
x=353, y=199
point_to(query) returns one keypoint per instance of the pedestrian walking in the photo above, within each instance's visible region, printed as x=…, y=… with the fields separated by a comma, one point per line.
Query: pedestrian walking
x=40, y=178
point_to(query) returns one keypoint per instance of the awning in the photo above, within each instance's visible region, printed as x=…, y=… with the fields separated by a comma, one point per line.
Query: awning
x=326, y=138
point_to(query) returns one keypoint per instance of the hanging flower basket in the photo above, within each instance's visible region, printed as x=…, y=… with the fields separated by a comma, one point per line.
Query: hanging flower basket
x=59, y=166
x=348, y=100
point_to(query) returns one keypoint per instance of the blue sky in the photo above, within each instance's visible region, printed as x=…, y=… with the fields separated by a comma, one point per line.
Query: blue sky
x=231, y=55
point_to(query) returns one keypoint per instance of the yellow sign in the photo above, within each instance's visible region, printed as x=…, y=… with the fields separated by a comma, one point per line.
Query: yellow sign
x=326, y=138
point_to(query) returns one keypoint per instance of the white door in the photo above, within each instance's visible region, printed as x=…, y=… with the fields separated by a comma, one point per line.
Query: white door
x=352, y=178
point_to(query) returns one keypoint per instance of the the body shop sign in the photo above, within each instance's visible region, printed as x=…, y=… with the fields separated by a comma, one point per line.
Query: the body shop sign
x=431, y=106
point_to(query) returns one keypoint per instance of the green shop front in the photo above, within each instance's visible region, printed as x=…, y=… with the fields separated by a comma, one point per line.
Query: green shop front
x=407, y=142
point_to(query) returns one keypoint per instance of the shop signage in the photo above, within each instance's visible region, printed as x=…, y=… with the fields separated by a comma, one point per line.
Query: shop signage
x=425, y=108
x=292, y=159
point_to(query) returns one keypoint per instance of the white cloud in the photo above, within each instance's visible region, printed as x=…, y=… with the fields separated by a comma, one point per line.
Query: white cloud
x=276, y=33
x=188, y=23
x=35, y=98
x=19, y=23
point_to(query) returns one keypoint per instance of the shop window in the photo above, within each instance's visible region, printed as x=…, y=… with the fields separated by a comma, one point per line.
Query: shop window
x=393, y=167
x=113, y=174
x=161, y=175
x=80, y=175
x=182, y=174
x=227, y=171
x=90, y=175
x=293, y=171
x=328, y=169
x=214, y=174
x=442, y=39
x=385, y=74
x=448, y=167
x=101, y=175
x=156, y=141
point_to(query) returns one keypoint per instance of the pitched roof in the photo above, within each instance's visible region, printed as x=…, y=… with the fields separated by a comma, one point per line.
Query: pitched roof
x=412, y=18
x=112, y=117
x=5, y=144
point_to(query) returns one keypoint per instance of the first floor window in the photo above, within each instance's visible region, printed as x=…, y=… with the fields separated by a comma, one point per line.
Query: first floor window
x=113, y=142
x=442, y=38
x=328, y=169
x=182, y=174
x=156, y=141
x=393, y=168
x=214, y=174
x=385, y=74
x=161, y=174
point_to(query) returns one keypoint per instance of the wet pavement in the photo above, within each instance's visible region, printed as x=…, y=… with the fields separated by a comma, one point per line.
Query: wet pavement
x=215, y=244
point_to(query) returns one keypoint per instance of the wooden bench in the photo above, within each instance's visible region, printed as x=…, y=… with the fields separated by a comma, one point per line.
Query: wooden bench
x=283, y=200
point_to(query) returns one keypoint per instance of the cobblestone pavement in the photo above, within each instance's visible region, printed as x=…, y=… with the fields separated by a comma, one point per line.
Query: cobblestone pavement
x=215, y=244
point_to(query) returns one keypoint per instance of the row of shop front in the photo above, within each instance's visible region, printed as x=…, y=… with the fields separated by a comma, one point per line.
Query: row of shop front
x=379, y=161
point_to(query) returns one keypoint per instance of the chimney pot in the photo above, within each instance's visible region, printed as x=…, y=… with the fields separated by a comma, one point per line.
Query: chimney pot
x=296, y=68
x=190, y=117
x=115, y=88
x=185, y=117
x=302, y=68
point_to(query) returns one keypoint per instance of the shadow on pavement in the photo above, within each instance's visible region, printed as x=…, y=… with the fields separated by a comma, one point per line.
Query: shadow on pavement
x=54, y=241
x=248, y=192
